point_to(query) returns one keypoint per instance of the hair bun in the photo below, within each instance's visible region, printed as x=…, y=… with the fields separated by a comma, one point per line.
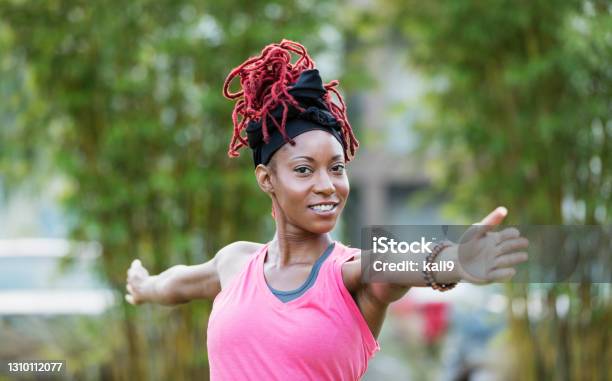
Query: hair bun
x=274, y=89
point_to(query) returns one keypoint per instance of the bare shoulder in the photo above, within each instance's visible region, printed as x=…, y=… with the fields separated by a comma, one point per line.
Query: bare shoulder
x=230, y=260
x=237, y=249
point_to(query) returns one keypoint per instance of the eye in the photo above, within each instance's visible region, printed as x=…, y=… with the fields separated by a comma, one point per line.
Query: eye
x=338, y=168
x=302, y=170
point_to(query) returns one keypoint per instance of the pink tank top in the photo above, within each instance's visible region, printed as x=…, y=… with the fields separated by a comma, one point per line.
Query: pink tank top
x=321, y=335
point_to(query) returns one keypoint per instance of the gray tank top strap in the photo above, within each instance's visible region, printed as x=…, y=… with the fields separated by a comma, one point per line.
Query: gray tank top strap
x=286, y=296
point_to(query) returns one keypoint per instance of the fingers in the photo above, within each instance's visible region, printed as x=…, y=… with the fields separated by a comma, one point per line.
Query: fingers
x=486, y=224
x=503, y=269
x=136, y=264
x=135, y=274
x=495, y=236
x=501, y=275
x=512, y=245
x=508, y=233
x=130, y=299
x=494, y=218
x=510, y=260
x=137, y=269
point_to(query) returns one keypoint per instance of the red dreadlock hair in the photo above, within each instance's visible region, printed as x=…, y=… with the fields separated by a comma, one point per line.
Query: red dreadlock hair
x=264, y=81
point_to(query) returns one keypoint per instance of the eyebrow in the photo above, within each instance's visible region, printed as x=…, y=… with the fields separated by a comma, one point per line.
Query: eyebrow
x=336, y=157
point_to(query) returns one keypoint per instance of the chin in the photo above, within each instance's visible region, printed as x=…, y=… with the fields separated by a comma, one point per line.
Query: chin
x=322, y=228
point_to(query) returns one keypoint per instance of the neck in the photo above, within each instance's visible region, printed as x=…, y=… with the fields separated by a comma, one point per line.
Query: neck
x=290, y=249
x=293, y=245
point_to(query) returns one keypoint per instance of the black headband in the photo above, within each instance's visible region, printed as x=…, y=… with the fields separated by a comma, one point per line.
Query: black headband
x=308, y=91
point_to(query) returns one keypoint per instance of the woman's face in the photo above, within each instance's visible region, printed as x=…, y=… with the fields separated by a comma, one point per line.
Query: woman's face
x=309, y=181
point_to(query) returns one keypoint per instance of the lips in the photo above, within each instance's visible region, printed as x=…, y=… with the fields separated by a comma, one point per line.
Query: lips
x=324, y=207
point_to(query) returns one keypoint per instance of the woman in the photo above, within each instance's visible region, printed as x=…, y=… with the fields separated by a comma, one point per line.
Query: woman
x=295, y=308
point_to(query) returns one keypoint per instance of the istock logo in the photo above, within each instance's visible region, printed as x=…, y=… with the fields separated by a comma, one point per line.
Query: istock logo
x=383, y=245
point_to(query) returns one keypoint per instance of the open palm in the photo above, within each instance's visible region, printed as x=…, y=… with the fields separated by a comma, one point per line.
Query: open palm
x=489, y=256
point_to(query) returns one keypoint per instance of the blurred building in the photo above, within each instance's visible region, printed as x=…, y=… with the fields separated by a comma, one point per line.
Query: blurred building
x=387, y=173
x=51, y=277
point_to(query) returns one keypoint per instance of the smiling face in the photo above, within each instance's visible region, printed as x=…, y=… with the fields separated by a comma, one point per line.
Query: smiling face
x=309, y=181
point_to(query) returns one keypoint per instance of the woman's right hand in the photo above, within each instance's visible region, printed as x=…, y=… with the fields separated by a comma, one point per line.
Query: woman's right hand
x=181, y=283
x=139, y=284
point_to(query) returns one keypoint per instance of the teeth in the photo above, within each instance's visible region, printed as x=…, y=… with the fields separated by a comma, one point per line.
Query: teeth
x=323, y=208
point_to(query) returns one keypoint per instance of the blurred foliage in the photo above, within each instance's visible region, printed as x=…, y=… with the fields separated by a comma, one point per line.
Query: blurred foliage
x=70, y=339
x=122, y=101
x=521, y=102
x=520, y=99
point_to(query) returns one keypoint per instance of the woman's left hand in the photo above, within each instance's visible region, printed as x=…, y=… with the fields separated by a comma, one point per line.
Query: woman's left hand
x=485, y=256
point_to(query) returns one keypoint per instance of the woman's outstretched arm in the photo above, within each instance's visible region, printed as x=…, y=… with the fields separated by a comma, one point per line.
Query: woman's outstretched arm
x=179, y=284
x=485, y=257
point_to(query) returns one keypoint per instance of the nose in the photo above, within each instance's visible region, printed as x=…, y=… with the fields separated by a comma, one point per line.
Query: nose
x=324, y=184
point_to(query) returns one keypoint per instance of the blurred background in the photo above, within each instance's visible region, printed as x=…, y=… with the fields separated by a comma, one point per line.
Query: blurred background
x=113, y=146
